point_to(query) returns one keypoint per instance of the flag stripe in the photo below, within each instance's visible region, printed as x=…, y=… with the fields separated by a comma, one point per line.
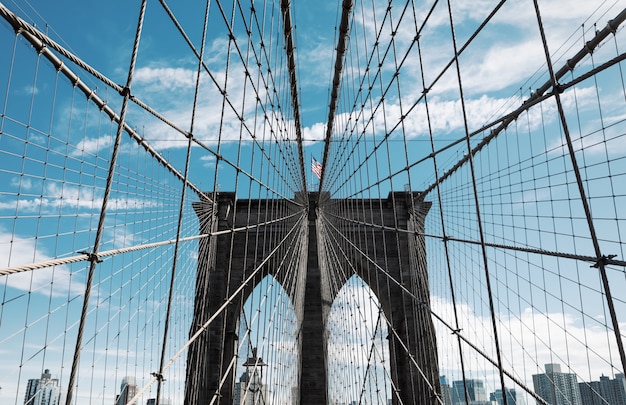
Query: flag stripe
x=316, y=167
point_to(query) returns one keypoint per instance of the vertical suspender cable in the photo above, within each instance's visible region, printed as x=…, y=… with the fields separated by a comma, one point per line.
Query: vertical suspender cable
x=478, y=215
x=441, y=213
x=344, y=29
x=600, y=264
x=285, y=6
x=93, y=256
x=181, y=209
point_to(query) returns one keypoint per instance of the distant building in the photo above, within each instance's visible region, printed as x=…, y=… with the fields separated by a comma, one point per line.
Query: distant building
x=604, y=392
x=152, y=401
x=446, y=397
x=557, y=388
x=250, y=390
x=43, y=391
x=128, y=389
x=511, y=397
x=475, y=391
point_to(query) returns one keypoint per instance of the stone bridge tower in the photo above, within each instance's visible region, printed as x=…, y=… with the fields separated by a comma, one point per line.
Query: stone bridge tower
x=225, y=260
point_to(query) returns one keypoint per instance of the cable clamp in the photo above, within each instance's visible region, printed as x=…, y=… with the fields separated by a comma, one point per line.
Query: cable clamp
x=603, y=260
x=92, y=257
x=456, y=331
x=613, y=25
x=158, y=376
x=558, y=88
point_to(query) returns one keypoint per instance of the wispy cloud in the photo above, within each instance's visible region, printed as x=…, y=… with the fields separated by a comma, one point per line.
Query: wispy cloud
x=208, y=160
x=30, y=90
x=64, y=195
x=164, y=78
x=15, y=250
x=92, y=146
x=528, y=340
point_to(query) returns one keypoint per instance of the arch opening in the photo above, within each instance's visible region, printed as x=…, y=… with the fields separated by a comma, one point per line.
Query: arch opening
x=358, y=357
x=267, y=349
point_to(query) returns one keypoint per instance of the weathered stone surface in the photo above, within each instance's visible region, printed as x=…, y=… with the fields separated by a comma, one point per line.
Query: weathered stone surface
x=225, y=261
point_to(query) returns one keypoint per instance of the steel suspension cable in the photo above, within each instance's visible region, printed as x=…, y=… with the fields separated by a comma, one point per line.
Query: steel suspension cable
x=221, y=309
x=554, y=77
x=479, y=220
x=181, y=210
x=93, y=256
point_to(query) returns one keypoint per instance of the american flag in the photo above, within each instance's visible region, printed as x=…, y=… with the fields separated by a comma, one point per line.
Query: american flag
x=316, y=167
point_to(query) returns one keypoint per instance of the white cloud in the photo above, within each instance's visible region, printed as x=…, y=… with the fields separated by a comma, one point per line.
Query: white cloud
x=164, y=78
x=121, y=236
x=528, y=340
x=503, y=57
x=501, y=65
x=30, y=90
x=315, y=62
x=80, y=197
x=19, y=251
x=208, y=160
x=212, y=122
x=316, y=132
x=23, y=182
x=595, y=137
x=92, y=146
x=446, y=115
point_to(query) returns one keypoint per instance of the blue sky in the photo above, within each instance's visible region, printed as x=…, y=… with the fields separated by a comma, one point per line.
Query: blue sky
x=523, y=176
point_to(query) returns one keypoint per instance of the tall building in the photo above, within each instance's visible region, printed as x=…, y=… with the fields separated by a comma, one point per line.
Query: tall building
x=475, y=391
x=511, y=397
x=43, y=391
x=604, y=392
x=620, y=387
x=250, y=390
x=446, y=398
x=557, y=388
x=128, y=389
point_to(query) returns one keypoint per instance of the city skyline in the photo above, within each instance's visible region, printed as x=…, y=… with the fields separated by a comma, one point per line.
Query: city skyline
x=521, y=170
x=43, y=391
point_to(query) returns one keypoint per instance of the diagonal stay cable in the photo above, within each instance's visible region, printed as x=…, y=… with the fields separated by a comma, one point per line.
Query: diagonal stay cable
x=331, y=250
x=590, y=259
x=239, y=53
x=439, y=318
x=344, y=31
x=292, y=252
x=228, y=301
x=93, y=255
x=179, y=225
x=285, y=6
x=581, y=188
x=113, y=252
x=538, y=96
x=405, y=58
x=211, y=75
x=43, y=44
x=509, y=117
x=553, y=82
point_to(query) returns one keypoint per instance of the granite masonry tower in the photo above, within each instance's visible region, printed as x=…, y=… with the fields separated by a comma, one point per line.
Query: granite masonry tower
x=225, y=260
